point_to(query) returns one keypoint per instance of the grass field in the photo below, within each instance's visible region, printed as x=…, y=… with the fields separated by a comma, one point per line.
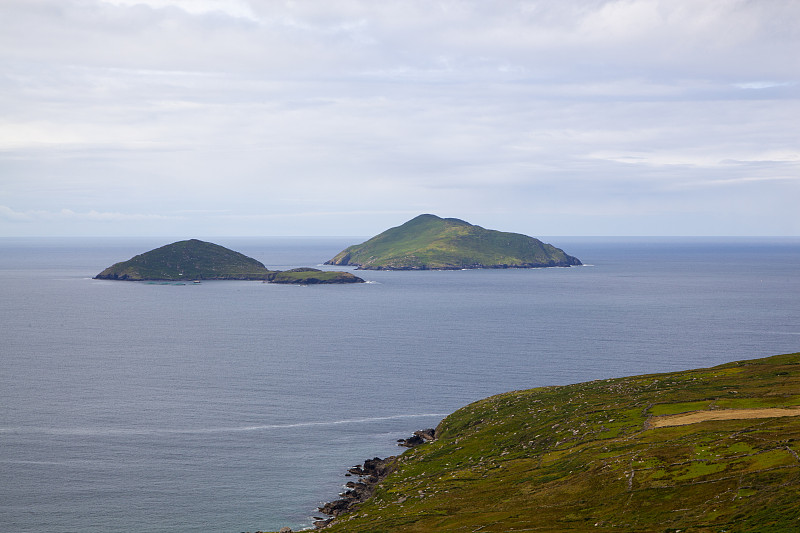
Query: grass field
x=586, y=457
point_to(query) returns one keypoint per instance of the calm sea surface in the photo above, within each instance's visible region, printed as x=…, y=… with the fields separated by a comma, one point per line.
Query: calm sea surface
x=237, y=406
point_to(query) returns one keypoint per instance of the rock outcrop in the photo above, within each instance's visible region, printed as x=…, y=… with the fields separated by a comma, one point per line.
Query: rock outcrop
x=420, y=437
x=370, y=474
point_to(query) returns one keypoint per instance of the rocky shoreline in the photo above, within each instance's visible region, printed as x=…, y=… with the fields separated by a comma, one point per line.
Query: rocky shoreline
x=370, y=474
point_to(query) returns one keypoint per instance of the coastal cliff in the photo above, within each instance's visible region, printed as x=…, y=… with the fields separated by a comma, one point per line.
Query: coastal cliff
x=714, y=449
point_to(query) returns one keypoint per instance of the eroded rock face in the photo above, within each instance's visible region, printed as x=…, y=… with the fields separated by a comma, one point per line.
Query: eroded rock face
x=372, y=472
x=420, y=437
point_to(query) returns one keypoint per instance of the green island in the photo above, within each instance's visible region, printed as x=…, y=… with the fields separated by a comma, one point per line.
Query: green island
x=705, y=450
x=195, y=260
x=428, y=242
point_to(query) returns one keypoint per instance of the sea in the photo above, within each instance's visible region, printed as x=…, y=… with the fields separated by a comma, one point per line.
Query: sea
x=236, y=406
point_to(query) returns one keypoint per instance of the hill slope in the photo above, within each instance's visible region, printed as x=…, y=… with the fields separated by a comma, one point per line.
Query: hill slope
x=589, y=457
x=428, y=242
x=199, y=260
x=187, y=260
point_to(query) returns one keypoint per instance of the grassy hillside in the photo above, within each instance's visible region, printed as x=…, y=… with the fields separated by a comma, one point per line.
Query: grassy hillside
x=430, y=242
x=313, y=276
x=187, y=260
x=588, y=457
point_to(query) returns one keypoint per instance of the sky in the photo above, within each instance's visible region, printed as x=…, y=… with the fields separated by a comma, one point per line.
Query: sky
x=196, y=118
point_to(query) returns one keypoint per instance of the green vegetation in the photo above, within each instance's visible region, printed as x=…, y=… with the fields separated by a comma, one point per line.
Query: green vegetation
x=581, y=458
x=428, y=242
x=313, y=276
x=187, y=260
x=198, y=260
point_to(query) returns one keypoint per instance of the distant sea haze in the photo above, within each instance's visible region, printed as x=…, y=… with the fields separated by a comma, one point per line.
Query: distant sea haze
x=238, y=406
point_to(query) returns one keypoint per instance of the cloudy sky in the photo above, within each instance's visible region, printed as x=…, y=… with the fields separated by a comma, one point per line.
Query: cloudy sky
x=344, y=117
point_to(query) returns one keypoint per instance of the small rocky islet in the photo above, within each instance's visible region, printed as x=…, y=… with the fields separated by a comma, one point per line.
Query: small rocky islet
x=196, y=260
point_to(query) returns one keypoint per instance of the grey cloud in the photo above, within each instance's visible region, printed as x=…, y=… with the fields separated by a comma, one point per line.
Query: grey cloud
x=69, y=215
x=269, y=107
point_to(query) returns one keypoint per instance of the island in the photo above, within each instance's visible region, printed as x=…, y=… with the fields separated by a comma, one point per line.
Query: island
x=196, y=260
x=429, y=242
x=708, y=449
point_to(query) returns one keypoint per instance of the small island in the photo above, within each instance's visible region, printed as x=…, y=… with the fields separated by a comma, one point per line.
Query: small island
x=429, y=242
x=195, y=260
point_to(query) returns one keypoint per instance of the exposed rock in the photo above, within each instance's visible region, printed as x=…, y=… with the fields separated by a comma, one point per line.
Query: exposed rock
x=419, y=437
x=371, y=473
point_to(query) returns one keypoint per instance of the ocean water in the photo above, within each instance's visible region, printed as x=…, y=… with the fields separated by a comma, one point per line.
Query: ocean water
x=238, y=406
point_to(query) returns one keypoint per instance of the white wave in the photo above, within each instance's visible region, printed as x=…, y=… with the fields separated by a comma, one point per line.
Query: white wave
x=90, y=432
x=328, y=423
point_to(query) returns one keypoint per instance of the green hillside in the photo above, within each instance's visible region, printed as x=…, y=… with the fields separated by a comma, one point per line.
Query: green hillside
x=428, y=242
x=592, y=457
x=313, y=276
x=198, y=260
x=187, y=260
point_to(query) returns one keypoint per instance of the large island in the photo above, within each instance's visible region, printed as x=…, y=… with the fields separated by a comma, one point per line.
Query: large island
x=429, y=242
x=195, y=260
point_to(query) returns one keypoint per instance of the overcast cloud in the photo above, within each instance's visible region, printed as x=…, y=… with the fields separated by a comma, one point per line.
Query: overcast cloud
x=257, y=117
